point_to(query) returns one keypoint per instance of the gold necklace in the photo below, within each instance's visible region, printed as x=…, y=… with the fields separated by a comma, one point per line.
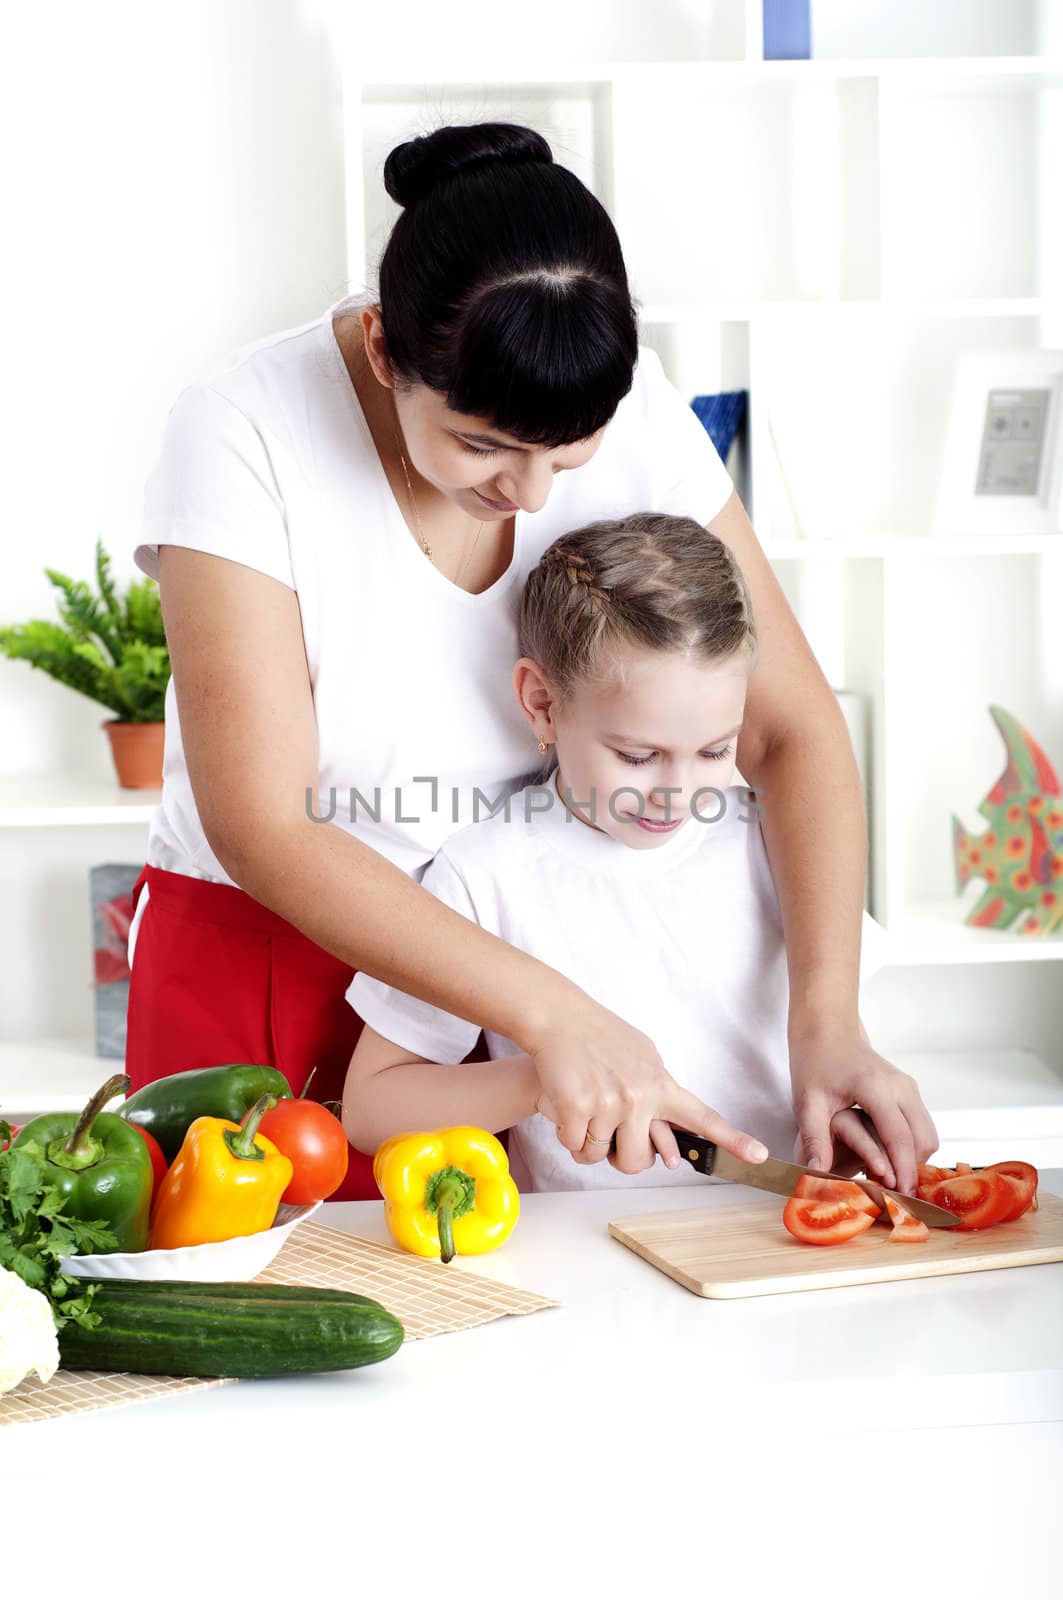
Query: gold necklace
x=417, y=515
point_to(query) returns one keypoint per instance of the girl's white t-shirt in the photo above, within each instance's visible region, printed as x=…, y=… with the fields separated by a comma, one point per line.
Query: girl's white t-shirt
x=268, y=460
x=684, y=941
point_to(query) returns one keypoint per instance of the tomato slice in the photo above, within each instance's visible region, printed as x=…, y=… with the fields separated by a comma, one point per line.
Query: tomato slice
x=978, y=1198
x=906, y=1228
x=1014, y=1169
x=810, y=1187
x=826, y=1219
x=1021, y=1178
x=928, y=1174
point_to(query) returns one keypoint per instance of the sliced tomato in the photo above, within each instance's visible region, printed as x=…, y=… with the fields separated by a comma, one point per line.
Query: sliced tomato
x=906, y=1228
x=829, y=1219
x=978, y=1198
x=1021, y=1178
x=928, y=1174
x=810, y=1187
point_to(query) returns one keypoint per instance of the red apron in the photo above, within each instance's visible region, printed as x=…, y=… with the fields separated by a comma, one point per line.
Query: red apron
x=217, y=977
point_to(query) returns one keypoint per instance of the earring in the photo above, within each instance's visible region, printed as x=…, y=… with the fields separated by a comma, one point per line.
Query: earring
x=542, y=748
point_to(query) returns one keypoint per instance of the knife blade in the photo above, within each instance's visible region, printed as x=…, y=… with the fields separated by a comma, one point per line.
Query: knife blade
x=780, y=1177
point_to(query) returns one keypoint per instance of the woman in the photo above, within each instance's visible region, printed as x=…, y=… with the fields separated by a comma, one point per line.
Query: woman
x=340, y=522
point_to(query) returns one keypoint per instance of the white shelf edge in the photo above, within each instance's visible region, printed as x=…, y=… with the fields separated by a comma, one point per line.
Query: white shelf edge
x=72, y=799
x=663, y=314
x=979, y=1091
x=916, y=546
x=932, y=933
x=76, y=817
x=54, y=1074
x=917, y=71
x=970, y=1093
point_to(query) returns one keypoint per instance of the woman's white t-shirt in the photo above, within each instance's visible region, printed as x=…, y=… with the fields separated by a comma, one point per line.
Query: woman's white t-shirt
x=268, y=461
x=684, y=941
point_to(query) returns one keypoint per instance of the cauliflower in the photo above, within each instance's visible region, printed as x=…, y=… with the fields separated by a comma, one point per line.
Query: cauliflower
x=28, y=1340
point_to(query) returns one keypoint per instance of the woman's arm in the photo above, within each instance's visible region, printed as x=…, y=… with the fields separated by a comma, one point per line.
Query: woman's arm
x=250, y=741
x=386, y=1086
x=795, y=751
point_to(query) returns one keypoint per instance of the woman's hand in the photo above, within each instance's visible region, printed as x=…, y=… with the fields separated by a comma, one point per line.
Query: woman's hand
x=599, y=1077
x=833, y=1076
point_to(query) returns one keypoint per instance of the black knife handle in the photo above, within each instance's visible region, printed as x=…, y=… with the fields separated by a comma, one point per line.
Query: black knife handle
x=701, y=1153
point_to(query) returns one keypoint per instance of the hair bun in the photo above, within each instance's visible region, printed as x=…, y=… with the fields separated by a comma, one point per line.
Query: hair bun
x=414, y=168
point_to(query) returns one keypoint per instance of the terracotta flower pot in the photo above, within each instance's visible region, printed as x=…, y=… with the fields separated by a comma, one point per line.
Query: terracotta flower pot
x=137, y=751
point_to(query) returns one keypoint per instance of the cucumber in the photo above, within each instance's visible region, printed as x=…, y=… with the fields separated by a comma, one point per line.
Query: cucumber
x=227, y=1330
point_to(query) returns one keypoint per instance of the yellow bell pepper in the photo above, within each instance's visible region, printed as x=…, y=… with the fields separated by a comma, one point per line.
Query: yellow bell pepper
x=446, y=1193
x=226, y=1181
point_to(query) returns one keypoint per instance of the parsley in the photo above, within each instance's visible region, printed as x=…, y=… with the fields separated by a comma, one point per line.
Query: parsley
x=35, y=1233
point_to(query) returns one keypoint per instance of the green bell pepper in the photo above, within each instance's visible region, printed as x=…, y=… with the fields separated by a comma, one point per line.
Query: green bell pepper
x=168, y=1107
x=99, y=1164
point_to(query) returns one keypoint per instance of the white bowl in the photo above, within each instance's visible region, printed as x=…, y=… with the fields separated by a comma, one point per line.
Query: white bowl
x=228, y=1261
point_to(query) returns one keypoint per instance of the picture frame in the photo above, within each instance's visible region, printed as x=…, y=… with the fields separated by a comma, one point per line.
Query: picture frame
x=1002, y=471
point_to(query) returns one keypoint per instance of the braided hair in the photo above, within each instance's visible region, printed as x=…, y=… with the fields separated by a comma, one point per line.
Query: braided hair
x=648, y=580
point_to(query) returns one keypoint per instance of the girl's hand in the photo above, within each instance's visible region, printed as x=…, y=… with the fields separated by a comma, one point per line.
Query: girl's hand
x=857, y=1148
x=833, y=1077
x=600, y=1077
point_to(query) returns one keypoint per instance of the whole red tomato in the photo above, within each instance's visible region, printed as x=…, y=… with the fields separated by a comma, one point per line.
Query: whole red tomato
x=155, y=1151
x=5, y=1142
x=315, y=1144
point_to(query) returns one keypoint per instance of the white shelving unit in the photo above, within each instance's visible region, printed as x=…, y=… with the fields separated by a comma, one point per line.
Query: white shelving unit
x=830, y=235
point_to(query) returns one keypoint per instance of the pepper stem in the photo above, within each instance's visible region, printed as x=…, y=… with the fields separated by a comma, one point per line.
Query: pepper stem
x=79, y=1145
x=242, y=1143
x=449, y=1194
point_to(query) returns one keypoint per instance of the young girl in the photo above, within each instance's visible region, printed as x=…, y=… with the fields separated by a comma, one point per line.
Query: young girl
x=635, y=865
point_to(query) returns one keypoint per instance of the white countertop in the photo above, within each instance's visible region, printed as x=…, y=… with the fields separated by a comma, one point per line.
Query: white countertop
x=632, y=1383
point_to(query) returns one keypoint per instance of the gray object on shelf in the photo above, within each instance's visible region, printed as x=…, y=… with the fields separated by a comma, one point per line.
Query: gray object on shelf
x=110, y=886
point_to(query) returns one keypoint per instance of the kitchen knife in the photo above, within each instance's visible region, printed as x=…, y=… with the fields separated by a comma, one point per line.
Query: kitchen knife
x=780, y=1177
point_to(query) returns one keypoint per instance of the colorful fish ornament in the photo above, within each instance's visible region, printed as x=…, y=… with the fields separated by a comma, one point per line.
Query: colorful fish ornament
x=1020, y=856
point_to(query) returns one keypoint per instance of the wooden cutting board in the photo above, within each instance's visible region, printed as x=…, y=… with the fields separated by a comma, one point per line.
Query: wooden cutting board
x=730, y=1252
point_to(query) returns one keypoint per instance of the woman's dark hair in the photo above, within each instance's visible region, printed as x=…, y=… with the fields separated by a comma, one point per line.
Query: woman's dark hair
x=503, y=286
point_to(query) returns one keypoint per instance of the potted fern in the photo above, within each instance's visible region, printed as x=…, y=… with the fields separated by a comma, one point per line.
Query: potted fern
x=112, y=648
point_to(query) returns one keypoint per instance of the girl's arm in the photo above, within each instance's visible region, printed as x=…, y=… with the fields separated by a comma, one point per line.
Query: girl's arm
x=387, y=1086
x=794, y=749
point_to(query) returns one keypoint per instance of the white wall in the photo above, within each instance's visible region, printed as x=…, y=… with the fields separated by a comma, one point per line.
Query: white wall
x=174, y=188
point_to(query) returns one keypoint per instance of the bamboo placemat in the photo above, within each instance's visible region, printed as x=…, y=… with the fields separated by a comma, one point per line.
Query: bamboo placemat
x=427, y=1297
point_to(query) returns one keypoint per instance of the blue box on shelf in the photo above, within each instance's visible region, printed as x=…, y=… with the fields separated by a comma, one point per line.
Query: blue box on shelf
x=787, y=30
x=721, y=415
